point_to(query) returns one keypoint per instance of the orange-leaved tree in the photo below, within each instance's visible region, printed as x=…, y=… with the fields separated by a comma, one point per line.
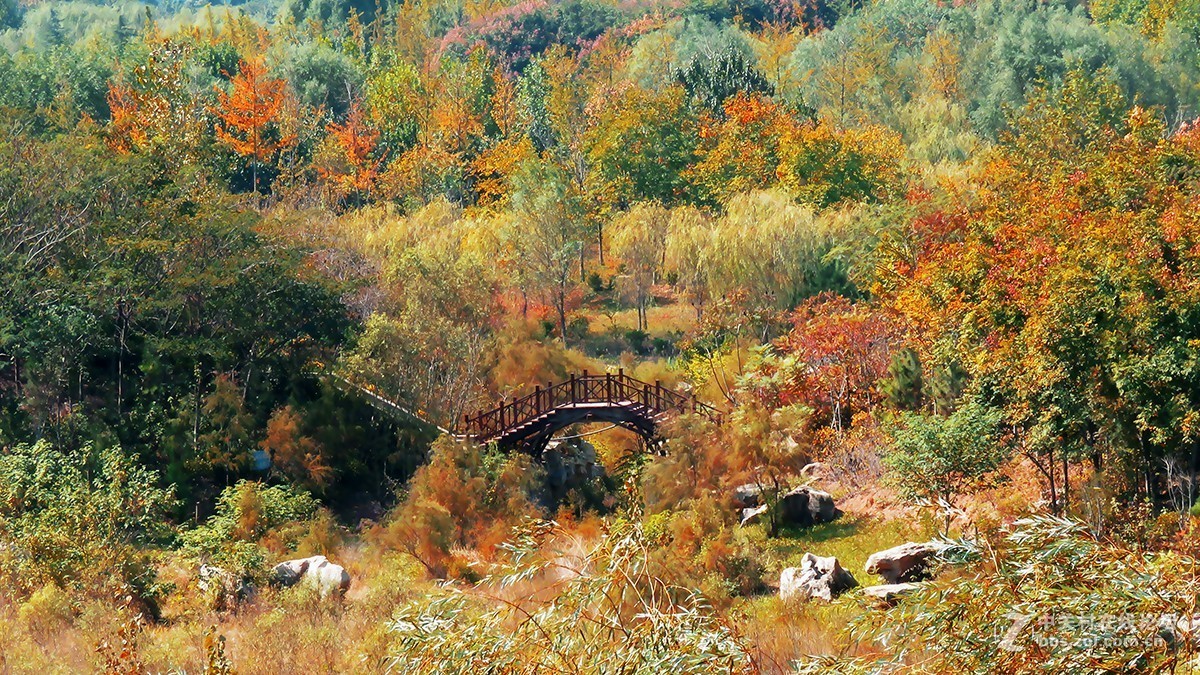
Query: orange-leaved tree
x=152, y=109
x=358, y=143
x=250, y=113
x=1064, y=286
x=297, y=456
x=126, y=130
x=846, y=348
x=740, y=153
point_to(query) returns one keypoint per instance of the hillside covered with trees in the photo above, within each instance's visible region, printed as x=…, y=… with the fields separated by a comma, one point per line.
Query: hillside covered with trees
x=939, y=262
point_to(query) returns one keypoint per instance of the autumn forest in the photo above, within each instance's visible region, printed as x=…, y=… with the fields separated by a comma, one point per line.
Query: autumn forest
x=920, y=281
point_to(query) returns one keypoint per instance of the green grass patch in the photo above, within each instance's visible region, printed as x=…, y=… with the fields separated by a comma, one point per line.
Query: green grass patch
x=783, y=631
x=849, y=539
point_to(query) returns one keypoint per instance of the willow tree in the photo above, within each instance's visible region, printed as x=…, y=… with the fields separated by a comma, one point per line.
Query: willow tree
x=549, y=233
x=685, y=251
x=639, y=240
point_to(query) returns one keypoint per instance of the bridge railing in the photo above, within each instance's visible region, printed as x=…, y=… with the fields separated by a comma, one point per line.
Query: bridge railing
x=608, y=388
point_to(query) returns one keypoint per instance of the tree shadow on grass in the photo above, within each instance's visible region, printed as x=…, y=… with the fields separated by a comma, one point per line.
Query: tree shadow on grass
x=849, y=539
x=794, y=541
x=839, y=529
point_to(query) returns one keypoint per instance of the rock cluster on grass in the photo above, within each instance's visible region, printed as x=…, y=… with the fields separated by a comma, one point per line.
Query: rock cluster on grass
x=803, y=506
x=816, y=577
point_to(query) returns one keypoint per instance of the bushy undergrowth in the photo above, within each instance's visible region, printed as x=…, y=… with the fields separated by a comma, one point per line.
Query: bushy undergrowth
x=1048, y=598
x=80, y=519
x=699, y=548
x=691, y=515
x=253, y=520
x=604, y=609
x=465, y=497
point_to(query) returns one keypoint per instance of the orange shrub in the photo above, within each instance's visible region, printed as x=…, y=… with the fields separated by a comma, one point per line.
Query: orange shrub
x=465, y=496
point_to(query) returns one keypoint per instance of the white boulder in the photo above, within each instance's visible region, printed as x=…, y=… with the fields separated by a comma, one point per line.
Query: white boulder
x=326, y=577
x=754, y=515
x=889, y=594
x=903, y=563
x=816, y=577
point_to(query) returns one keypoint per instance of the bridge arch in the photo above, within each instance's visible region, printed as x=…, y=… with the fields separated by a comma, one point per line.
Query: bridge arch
x=530, y=422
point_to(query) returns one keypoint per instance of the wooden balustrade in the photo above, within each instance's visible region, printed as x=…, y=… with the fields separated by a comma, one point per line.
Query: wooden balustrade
x=619, y=389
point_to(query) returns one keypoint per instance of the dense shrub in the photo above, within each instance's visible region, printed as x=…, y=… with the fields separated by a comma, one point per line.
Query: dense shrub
x=246, y=514
x=611, y=611
x=936, y=459
x=78, y=518
x=466, y=496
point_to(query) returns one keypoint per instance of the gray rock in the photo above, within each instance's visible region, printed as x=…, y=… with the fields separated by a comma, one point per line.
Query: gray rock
x=747, y=496
x=568, y=464
x=222, y=588
x=805, y=506
x=212, y=577
x=903, y=563
x=754, y=515
x=813, y=470
x=889, y=594
x=816, y=577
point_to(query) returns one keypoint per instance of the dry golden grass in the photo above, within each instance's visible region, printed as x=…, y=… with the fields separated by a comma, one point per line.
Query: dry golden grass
x=781, y=632
x=294, y=631
x=275, y=631
x=48, y=637
x=660, y=319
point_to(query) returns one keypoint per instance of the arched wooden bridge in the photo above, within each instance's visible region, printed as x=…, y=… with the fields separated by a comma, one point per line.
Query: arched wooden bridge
x=529, y=422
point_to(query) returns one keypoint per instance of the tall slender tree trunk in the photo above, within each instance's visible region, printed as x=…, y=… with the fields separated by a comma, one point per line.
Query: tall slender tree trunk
x=1066, y=484
x=1195, y=461
x=1147, y=469
x=561, y=306
x=1050, y=475
x=121, y=359
x=196, y=414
